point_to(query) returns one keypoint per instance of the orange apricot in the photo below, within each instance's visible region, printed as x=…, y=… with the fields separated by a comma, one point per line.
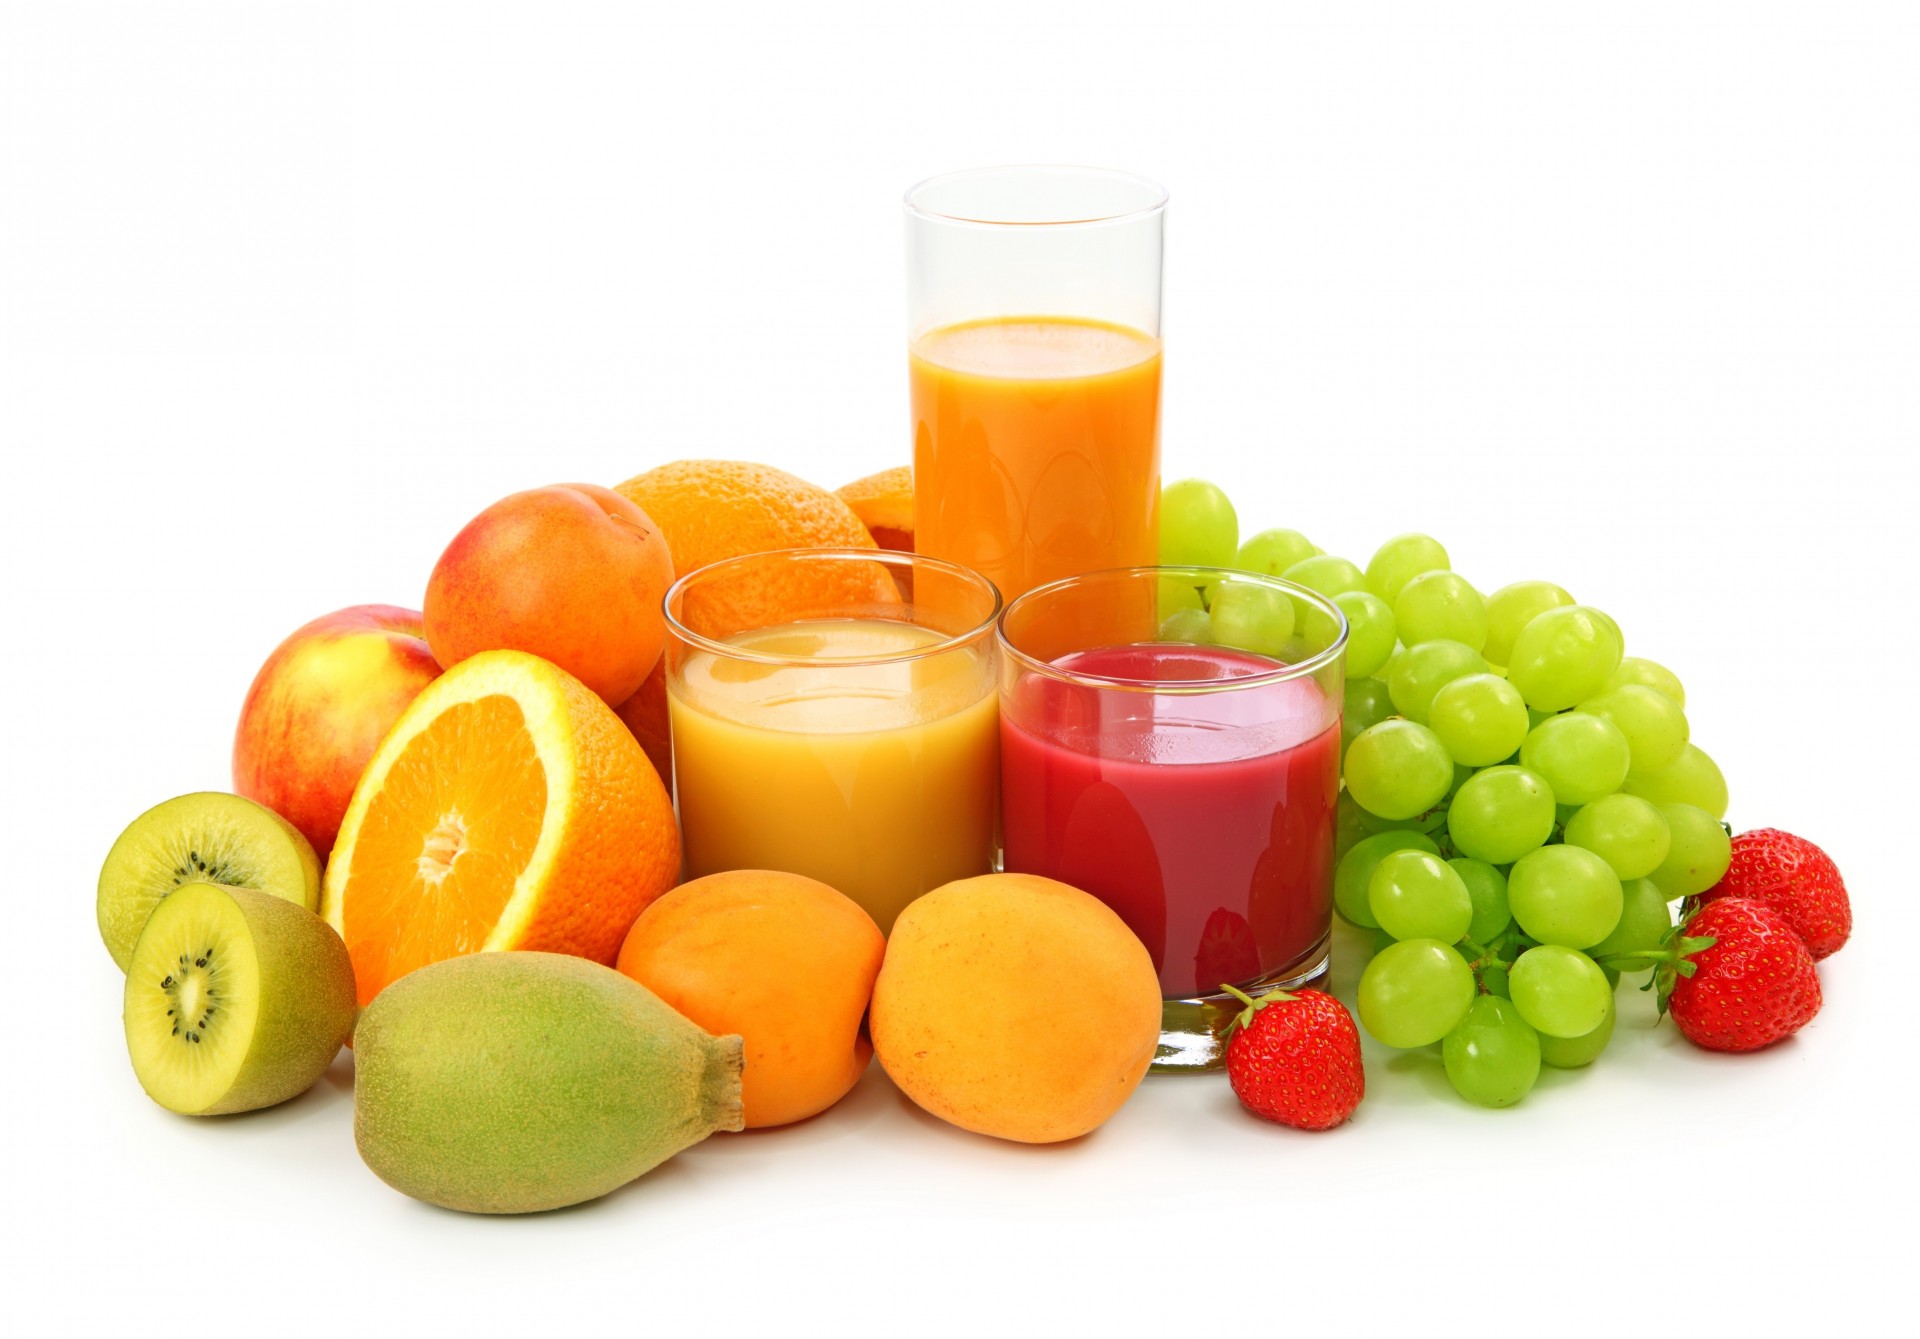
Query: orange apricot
x=784, y=961
x=1015, y=1006
x=573, y=574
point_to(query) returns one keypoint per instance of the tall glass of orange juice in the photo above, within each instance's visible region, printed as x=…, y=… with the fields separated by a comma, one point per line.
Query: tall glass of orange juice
x=835, y=713
x=1034, y=369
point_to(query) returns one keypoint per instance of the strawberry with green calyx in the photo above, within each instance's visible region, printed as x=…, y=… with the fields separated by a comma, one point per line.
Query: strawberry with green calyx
x=1293, y=1057
x=1735, y=976
x=1795, y=878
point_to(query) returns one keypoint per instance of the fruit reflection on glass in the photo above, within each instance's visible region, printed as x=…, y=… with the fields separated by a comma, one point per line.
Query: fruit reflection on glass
x=1170, y=743
x=1034, y=370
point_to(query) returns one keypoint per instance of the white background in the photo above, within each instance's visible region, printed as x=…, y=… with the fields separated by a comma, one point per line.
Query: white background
x=1621, y=295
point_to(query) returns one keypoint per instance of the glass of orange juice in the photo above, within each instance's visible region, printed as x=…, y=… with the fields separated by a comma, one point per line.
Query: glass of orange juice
x=835, y=713
x=1034, y=367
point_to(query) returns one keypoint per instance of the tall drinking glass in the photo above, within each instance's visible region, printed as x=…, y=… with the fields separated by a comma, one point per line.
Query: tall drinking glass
x=1033, y=299
x=1170, y=742
x=834, y=715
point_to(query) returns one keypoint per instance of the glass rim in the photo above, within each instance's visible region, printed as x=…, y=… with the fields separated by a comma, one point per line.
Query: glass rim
x=1281, y=673
x=1159, y=193
x=890, y=557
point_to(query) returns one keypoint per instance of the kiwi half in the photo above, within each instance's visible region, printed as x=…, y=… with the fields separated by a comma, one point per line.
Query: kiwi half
x=235, y=1000
x=207, y=837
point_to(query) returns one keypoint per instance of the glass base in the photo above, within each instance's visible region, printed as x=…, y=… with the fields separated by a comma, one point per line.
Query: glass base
x=1192, y=1031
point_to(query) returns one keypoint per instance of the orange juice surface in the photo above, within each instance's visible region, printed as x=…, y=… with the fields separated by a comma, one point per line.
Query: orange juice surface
x=1036, y=447
x=878, y=779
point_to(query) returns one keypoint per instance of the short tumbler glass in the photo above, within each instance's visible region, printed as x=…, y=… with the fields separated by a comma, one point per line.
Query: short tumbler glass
x=833, y=715
x=1170, y=742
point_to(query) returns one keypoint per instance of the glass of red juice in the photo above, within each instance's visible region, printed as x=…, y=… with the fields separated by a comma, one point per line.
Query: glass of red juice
x=1170, y=743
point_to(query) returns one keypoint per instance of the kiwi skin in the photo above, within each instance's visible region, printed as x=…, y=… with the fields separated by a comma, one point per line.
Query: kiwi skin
x=306, y=1009
x=167, y=846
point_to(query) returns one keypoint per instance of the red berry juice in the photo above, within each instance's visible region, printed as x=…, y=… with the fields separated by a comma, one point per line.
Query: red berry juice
x=1205, y=819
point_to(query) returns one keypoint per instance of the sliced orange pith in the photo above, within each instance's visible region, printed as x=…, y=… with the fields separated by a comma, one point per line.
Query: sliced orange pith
x=509, y=808
x=884, y=504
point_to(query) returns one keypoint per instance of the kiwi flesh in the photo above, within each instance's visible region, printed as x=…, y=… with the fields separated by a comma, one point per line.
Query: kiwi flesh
x=206, y=837
x=235, y=1000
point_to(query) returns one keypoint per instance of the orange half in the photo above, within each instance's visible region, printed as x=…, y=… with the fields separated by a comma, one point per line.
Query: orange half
x=509, y=808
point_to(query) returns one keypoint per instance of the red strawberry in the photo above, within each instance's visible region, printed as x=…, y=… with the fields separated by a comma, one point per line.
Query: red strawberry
x=1740, y=977
x=1294, y=1058
x=1795, y=878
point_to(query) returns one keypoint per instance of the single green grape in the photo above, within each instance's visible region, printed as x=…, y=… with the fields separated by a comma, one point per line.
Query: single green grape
x=1197, y=526
x=1272, y=552
x=1576, y=1052
x=1327, y=574
x=1500, y=814
x=1177, y=593
x=1564, y=895
x=1625, y=831
x=1698, y=853
x=1187, y=625
x=1511, y=608
x=1400, y=560
x=1693, y=779
x=1492, y=1055
x=1564, y=656
x=1487, y=889
x=1645, y=918
x=1415, y=992
x=1654, y=724
x=1353, y=877
x=1493, y=979
x=1397, y=769
x=1559, y=990
x=1364, y=703
x=1648, y=673
x=1479, y=717
x=1252, y=617
x=1582, y=757
x=1417, y=895
x=1422, y=671
x=1441, y=606
x=1370, y=631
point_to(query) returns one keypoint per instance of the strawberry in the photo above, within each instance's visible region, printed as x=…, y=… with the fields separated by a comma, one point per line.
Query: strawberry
x=1795, y=878
x=1294, y=1058
x=1737, y=977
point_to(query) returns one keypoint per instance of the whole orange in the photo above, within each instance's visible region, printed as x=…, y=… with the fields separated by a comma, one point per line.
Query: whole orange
x=711, y=510
x=573, y=574
x=714, y=509
x=1015, y=1006
x=784, y=961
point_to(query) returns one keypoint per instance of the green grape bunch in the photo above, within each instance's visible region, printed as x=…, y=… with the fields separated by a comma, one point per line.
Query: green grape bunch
x=1522, y=806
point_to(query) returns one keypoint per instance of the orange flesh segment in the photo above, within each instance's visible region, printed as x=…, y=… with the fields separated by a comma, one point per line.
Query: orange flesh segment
x=452, y=828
